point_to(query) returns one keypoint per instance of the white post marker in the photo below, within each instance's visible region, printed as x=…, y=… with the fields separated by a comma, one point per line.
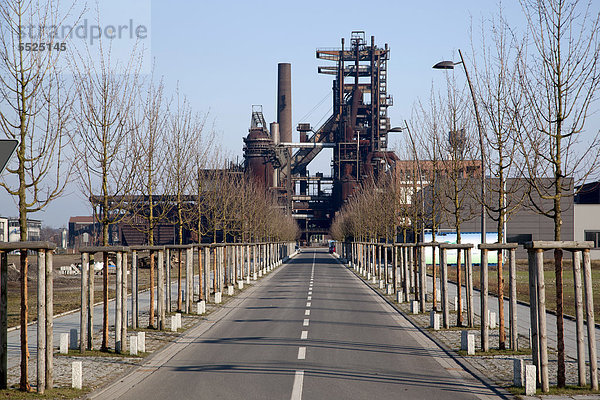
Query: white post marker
x=492, y=320
x=217, y=297
x=530, y=380
x=76, y=375
x=133, y=345
x=306, y=320
x=201, y=307
x=141, y=342
x=173, y=323
x=64, y=343
x=518, y=372
x=304, y=335
x=414, y=307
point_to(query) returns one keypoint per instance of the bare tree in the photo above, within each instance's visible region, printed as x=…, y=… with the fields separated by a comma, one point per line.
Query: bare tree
x=456, y=181
x=36, y=110
x=107, y=94
x=184, y=126
x=500, y=98
x=559, y=79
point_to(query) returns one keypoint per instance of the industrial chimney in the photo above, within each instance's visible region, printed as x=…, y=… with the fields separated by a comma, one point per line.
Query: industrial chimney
x=284, y=101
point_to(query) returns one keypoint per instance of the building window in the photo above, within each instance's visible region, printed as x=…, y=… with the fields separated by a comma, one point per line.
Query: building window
x=593, y=236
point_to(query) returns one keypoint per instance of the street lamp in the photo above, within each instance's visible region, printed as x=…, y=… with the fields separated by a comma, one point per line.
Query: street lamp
x=450, y=65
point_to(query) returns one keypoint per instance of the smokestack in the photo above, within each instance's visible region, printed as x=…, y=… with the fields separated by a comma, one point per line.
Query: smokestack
x=284, y=101
x=275, y=136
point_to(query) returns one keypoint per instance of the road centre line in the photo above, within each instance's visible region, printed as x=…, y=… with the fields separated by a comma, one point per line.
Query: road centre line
x=301, y=353
x=297, y=389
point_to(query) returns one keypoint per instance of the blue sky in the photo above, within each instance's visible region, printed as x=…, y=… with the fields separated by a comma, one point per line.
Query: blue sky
x=224, y=55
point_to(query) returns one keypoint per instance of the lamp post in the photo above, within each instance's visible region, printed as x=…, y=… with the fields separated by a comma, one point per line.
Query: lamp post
x=450, y=65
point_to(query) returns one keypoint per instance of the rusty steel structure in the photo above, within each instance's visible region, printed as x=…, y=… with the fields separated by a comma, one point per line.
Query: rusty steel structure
x=357, y=131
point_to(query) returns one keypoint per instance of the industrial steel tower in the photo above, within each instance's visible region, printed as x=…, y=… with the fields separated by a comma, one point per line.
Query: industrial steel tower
x=356, y=131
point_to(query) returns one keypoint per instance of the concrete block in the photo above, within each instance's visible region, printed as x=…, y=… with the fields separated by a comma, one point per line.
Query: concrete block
x=133, y=345
x=64, y=343
x=463, y=340
x=201, y=307
x=173, y=323
x=374, y=280
x=76, y=375
x=518, y=372
x=217, y=297
x=141, y=341
x=73, y=339
x=492, y=320
x=381, y=284
x=260, y=273
x=240, y=285
x=368, y=276
x=467, y=342
x=230, y=290
x=178, y=320
x=399, y=296
x=530, y=380
x=390, y=289
x=414, y=307
x=254, y=276
x=248, y=279
x=471, y=344
x=462, y=304
x=434, y=321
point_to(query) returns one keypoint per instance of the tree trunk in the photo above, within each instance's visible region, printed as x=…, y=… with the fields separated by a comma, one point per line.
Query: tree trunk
x=151, y=316
x=179, y=299
x=502, y=335
x=558, y=271
x=24, y=383
x=104, y=346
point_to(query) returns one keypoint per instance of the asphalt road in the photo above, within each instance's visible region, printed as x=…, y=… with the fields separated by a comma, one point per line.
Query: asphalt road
x=311, y=330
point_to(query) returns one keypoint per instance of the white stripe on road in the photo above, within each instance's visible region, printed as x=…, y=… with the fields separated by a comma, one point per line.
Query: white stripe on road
x=301, y=353
x=309, y=298
x=305, y=322
x=304, y=335
x=308, y=304
x=306, y=312
x=310, y=292
x=297, y=389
